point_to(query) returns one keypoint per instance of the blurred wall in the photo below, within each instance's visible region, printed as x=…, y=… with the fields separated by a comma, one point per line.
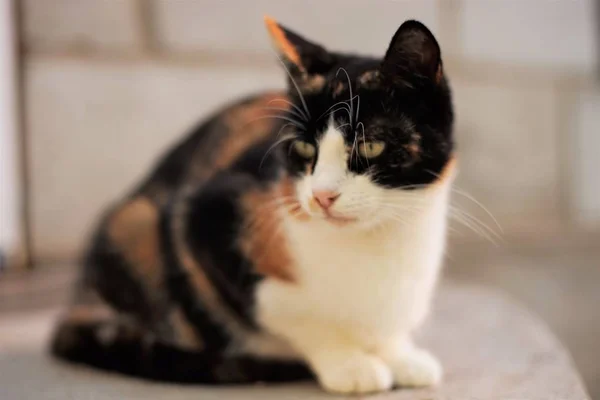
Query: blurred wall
x=111, y=83
x=11, y=232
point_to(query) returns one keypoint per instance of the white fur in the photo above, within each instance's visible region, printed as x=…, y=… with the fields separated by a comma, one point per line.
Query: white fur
x=362, y=287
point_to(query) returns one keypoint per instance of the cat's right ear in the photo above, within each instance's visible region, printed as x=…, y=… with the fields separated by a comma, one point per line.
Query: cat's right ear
x=413, y=51
x=302, y=57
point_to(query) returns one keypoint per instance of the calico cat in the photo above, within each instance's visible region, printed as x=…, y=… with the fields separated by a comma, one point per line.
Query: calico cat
x=291, y=235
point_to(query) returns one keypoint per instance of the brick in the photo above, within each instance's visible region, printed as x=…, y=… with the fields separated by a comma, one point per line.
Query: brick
x=508, y=156
x=585, y=163
x=96, y=129
x=195, y=25
x=89, y=25
x=557, y=33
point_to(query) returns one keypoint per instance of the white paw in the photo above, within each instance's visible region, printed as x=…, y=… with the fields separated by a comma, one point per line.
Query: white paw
x=416, y=368
x=356, y=374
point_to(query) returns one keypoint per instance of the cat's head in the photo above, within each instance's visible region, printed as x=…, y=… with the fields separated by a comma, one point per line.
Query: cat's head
x=365, y=136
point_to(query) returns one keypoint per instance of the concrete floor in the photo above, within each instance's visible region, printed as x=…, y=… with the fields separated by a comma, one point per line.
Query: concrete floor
x=557, y=279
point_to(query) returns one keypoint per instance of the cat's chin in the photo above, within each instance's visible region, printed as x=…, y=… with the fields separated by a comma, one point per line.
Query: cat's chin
x=339, y=220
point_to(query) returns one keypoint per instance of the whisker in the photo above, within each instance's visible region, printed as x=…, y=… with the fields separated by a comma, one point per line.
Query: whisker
x=414, y=186
x=350, y=89
x=278, y=201
x=354, y=148
x=476, y=221
x=283, y=128
x=474, y=228
x=340, y=109
x=285, y=138
x=291, y=120
x=364, y=139
x=339, y=103
x=259, y=221
x=455, y=213
x=295, y=86
x=287, y=111
x=468, y=196
x=295, y=107
x=358, y=108
x=398, y=218
x=485, y=209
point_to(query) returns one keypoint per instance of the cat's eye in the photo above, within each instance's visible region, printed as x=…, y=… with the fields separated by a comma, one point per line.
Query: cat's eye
x=304, y=149
x=371, y=149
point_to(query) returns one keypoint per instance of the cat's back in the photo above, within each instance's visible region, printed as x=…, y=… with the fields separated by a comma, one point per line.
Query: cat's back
x=125, y=253
x=215, y=144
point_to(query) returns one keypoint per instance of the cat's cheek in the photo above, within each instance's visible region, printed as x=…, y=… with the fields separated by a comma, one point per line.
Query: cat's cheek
x=360, y=198
x=303, y=192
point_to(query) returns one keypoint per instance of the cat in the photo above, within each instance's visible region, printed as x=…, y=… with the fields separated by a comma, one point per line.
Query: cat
x=293, y=235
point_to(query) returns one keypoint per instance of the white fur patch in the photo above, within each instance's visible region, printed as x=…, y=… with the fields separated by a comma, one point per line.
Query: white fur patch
x=358, y=195
x=362, y=287
x=330, y=171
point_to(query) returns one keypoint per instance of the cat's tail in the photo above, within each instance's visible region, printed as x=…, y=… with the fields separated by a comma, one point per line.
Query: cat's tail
x=122, y=348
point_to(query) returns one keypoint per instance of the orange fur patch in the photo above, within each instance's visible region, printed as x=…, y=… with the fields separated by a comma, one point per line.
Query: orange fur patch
x=245, y=125
x=282, y=43
x=338, y=89
x=263, y=240
x=448, y=171
x=133, y=229
x=83, y=314
x=368, y=78
x=293, y=208
x=185, y=335
x=414, y=148
x=312, y=83
x=439, y=74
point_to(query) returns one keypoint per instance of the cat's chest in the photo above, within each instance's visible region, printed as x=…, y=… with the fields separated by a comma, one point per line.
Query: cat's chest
x=375, y=282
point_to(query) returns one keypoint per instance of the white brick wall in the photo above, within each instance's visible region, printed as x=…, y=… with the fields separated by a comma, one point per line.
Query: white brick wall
x=352, y=25
x=95, y=130
x=507, y=149
x=584, y=180
x=11, y=228
x=103, y=103
x=82, y=24
x=547, y=33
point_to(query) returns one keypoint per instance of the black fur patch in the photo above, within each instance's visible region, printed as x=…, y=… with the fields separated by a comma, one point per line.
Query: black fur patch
x=403, y=100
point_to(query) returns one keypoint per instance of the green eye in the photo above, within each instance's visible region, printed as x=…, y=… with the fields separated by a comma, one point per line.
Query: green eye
x=371, y=149
x=304, y=149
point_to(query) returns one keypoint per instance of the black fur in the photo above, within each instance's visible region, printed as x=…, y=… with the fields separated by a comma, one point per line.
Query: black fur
x=403, y=100
x=136, y=355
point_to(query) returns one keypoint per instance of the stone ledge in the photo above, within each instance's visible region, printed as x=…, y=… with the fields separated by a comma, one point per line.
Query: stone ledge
x=491, y=349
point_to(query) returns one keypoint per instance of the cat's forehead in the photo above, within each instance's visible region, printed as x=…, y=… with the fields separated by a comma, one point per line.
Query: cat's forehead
x=350, y=74
x=349, y=104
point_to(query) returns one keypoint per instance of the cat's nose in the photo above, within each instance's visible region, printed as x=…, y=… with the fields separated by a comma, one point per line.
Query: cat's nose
x=325, y=198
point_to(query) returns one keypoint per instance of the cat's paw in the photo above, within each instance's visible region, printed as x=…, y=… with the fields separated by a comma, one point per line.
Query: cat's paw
x=416, y=368
x=357, y=374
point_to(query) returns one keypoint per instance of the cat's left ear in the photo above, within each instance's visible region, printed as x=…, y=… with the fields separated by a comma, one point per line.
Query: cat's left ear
x=413, y=50
x=301, y=56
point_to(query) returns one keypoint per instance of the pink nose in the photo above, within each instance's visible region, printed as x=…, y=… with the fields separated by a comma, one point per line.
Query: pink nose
x=325, y=198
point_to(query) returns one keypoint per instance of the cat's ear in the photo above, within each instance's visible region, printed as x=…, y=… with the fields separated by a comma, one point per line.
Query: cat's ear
x=413, y=50
x=301, y=56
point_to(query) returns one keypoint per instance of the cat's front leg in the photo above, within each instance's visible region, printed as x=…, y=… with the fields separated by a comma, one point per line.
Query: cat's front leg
x=411, y=366
x=340, y=364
